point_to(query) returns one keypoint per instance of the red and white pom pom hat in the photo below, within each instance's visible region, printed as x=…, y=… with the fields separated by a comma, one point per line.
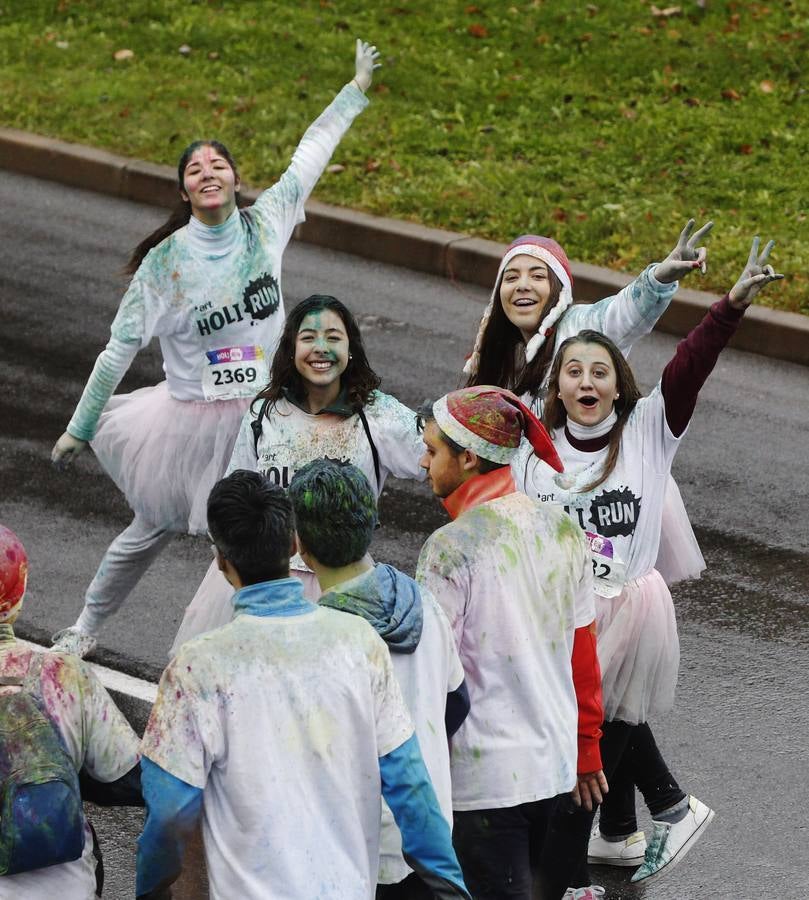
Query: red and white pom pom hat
x=492, y=422
x=548, y=251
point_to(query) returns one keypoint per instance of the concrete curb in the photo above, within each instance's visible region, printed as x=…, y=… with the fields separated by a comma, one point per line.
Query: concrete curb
x=772, y=333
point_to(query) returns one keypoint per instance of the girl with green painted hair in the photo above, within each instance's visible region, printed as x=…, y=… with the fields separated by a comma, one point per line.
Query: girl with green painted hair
x=322, y=400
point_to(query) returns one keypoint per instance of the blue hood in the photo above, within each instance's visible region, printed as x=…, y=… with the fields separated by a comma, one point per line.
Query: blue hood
x=387, y=599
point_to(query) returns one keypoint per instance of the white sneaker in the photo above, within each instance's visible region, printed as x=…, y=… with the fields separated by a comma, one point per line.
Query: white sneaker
x=593, y=892
x=71, y=640
x=628, y=852
x=670, y=843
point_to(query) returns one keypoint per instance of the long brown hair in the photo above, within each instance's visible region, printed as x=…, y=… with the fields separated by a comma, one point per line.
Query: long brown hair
x=181, y=213
x=554, y=414
x=358, y=379
x=498, y=363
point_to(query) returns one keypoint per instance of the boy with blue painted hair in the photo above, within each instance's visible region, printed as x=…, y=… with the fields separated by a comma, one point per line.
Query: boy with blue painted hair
x=290, y=724
x=335, y=515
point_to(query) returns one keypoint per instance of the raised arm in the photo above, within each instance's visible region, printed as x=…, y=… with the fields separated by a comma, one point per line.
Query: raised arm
x=633, y=311
x=697, y=353
x=283, y=202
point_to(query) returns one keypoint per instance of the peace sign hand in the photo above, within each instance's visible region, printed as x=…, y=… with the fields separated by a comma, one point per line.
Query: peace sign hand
x=686, y=255
x=757, y=273
x=366, y=60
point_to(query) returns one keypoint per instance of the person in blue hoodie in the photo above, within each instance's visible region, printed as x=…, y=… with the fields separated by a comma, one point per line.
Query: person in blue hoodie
x=335, y=515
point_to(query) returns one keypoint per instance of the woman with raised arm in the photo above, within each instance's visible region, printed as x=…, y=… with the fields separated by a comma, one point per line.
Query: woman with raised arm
x=322, y=400
x=208, y=284
x=617, y=448
x=530, y=313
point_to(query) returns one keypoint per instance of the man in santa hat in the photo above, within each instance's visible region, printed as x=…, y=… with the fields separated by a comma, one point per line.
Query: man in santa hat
x=514, y=578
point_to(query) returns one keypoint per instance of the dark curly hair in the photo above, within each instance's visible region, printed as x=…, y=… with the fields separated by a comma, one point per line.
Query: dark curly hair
x=359, y=380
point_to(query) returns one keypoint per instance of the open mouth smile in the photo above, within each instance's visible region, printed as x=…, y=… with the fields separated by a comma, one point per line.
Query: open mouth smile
x=588, y=401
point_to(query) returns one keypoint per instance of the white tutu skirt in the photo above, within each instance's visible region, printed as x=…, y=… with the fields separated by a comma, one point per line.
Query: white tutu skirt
x=678, y=556
x=638, y=650
x=165, y=454
x=212, y=606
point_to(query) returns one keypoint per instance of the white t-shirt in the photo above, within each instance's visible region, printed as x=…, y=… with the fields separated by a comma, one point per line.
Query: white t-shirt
x=282, y=720
x=425, y=676
x=291, y=438
x=627, y=509
x=514, y=579
x=219, y=318
x=97, y=737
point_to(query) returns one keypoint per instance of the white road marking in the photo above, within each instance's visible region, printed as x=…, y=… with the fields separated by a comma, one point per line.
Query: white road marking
x=116, y=681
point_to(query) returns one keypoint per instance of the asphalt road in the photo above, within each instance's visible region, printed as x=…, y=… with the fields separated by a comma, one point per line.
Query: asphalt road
x=737, y=737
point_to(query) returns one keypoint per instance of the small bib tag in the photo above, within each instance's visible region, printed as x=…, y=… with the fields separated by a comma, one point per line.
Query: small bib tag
x=234, y=372
x=609, y=570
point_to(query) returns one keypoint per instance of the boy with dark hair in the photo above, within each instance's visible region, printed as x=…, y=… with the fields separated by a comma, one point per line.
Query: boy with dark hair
x=335, y=515
x=290, y=723
x=514, y=578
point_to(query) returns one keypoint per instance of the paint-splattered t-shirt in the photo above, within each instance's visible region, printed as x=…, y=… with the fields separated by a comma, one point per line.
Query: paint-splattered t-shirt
x=291, y=438
x=98, y=739
x=514, y=579
x=281, y=720
x=626, y=510
x=218, y=317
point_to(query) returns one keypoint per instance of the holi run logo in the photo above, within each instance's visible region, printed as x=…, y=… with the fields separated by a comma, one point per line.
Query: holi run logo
x=615, y=513
x=261, y=299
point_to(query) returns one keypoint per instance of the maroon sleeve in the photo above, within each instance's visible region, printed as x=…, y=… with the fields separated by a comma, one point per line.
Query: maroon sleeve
x=693, y=362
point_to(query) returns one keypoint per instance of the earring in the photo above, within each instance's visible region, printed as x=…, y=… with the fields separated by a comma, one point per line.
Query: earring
x=350, y=356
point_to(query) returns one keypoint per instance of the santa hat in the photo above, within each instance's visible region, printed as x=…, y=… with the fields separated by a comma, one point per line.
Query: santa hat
x=491, y=422
x=13, y=574
x=551, y=253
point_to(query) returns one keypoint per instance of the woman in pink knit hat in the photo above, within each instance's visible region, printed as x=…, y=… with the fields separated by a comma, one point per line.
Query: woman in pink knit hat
x=531, y=311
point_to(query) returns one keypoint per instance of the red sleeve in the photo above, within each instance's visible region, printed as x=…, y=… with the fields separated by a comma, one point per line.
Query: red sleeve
x=587, y=682
x=693, y=362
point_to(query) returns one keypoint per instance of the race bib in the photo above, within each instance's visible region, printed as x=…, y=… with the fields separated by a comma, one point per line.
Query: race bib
x=234, y=372
x=609, y=570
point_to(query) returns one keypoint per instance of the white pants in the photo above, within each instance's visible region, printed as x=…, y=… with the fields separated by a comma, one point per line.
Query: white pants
x=125, y=562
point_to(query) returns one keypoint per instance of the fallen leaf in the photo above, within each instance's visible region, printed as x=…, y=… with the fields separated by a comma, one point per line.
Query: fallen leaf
x=585, y=38
x=581, y=217
x=644, y=30
x=766, y=87
x=692, y=101
x=213, y=55
x=648, y=216
x=542, y=39
x=628, y=113
x=381, y=88
x=667, y=12
x=559, y=215
x=335, y=168
x=745, y=149
x=395, y=166
x=372, y=165
x=472, y=10
x=730, y=94
x=477, y=30
x=213, y=96
x=121, y=55
x=125, y=113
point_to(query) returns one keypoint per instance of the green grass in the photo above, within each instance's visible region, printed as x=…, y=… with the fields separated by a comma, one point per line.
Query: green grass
x=601, y=125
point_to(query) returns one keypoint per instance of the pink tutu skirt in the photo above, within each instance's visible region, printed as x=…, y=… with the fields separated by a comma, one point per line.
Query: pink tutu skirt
x=678, y=556
x=212, y=606
x=638, y=650
x=165, y=454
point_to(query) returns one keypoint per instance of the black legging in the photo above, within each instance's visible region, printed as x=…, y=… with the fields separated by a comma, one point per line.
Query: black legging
x=630, y=758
